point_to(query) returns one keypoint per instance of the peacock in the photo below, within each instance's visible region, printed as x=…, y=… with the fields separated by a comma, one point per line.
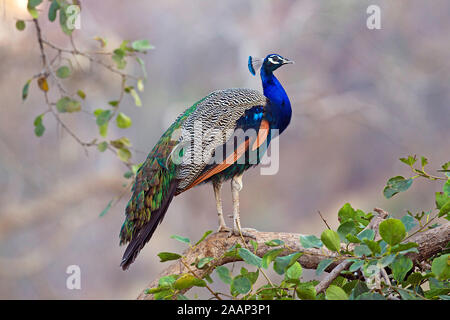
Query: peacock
x=215, y=140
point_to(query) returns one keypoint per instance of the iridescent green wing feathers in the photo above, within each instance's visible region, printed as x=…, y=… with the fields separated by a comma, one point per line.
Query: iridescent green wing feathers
x=153, y=181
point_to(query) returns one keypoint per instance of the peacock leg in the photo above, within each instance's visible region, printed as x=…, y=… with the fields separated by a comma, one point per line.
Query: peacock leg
x=217, y=185
x=236, y=186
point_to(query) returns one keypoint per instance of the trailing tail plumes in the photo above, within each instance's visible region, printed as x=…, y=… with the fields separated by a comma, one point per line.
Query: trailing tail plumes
x=144, y=233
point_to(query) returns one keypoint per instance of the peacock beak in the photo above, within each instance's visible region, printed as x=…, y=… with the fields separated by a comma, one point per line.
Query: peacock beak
x=287, y=61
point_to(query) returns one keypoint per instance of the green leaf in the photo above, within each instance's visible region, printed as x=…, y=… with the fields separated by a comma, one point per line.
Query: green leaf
x=187, y=281
x=370, y=296
x=142, y=64
x=254, y=245
x=371, y=268
x=346, y=213
x=356, y=266
x=322, y=266
x=274, y=243
x=233, y=251
x=310, y=242
x=103, y=116
x=103, y=130
x=414, y=279
x=140, y=85
x=207, y=233
x=181, y=297
x=358, y=289
x=441, y=200
x=128, y=175
x=106, y=209
x=66, y=104
x=444, y=210
x=240, y=284
x=168, y=256
x=395, y=185
x=400, y=267
x=124, y=154
x=119, y=58
x=347, y=227
x=404, y=247
x=120, y=143
x=250, y=257
x=386, y=261
x=25, y=89
x=409, y=222
x=331, y=240
x=137, y=99
x=362, y=250
x=181, y=239
x=335, y=293
x=203, y=262
x=352, y=239
x=141, y=45
x=34, y=3
x=63, y=72
x=446, y=166
x=208, y=278
x=39, y=128
x=167, y=281
x=406, y=295
x=123, y=121
x=446, y=187
x=306, y=291
x=281, y=264
x=295, y=271
x=366, y=234
x=269, y=257
x=20, y=25
x=252, y=276
x=54, y=7
x=224, y=274
x=409, y=161
x=436, y=292
x=423, y=161
x=64, y=19
x=441, y=267
x=373, y=246
x=164, y=294
x=392, y=231
x=81, y=94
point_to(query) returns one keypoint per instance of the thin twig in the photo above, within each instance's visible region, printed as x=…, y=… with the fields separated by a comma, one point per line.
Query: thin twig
x=323, y=219
x=325, y=283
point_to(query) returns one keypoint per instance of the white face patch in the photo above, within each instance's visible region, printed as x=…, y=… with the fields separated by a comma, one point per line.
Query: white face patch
x=274, y=60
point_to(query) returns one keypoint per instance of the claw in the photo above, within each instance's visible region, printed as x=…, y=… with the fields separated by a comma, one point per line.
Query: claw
x=235, y=232
x=224, y=229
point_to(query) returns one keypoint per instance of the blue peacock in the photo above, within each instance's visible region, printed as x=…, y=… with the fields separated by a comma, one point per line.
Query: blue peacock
x=222, y=119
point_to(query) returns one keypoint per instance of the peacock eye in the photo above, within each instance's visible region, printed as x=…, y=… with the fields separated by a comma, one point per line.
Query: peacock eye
x=275, y=58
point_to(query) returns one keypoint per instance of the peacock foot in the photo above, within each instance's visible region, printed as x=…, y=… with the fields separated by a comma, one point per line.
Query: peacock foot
x=245, y=232
x=224, y=228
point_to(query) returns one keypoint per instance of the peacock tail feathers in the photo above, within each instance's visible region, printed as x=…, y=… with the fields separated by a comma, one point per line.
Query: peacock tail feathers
x=153, y=181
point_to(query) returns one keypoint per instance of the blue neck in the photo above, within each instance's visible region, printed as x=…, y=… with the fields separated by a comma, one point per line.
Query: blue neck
x=279, y=111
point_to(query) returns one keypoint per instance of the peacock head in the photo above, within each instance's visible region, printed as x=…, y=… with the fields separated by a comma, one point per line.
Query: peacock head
x=270, y=63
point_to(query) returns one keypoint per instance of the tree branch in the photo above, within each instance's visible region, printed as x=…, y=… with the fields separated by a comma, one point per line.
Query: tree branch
x=430, y=242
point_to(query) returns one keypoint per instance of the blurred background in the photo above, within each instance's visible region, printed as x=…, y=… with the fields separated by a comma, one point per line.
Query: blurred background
x=361, y=99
